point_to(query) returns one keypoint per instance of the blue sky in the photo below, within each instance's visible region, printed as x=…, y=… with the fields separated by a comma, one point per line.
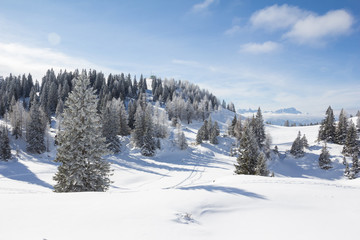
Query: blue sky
x=273, y=54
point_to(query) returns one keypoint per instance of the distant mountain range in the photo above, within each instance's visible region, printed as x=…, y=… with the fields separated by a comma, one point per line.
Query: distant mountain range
x=280, y=116
x=290, y=110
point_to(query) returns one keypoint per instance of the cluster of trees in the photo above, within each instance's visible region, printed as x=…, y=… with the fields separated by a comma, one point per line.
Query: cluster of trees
x=92, y=112
x=299, y=145
x=5, y=150
x=208, y=132
x=30, y=106
x=254, y=147
x=344, y=133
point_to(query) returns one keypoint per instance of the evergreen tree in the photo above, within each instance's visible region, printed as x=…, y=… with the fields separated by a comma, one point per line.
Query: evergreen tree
x=249, y=152
x=231, y=127
x=110, y=128
x=341, y=129
x=327, y=127
x=132, y=107
x=355, y=163
x=59, y=108
x=261, y=166
x=5, y=150
x=238, y=128
x=181, y=139
x=297, y=148
x=124, y=129
x=81, y=145
x=35, y=130
x=16, y=118
x=149, y=145
x=304, y=141
x=199, y=137
x=259, y=129
x=351, y=145
x=324, y=158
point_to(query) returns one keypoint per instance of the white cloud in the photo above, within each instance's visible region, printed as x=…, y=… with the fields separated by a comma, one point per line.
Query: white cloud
x=277, y=17
x=232, y=30
x=18, y=59
x=314, y=29
x=54, y=39
x=202, y=6
x=302, y=26
x=257, y=48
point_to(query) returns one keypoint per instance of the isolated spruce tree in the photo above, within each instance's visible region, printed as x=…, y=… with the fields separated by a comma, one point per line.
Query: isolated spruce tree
x=35, y=130
x=259, y=129
x=341, y=129
x=297, y=148
x=324, y=158
x=5, y=150
x=327, y=127
x=248, y=153
x=81, y=145
x=110, y=128
x=351, y=145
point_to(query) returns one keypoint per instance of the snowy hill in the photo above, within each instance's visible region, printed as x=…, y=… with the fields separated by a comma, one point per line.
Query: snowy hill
x=191, y=194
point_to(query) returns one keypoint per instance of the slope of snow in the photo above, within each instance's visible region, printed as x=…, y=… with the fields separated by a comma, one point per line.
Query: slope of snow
x=191, y=194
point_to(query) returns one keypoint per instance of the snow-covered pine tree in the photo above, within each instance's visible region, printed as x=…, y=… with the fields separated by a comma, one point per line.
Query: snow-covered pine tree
x=200, y=135
x=232, y=126
x=35, y=130
x=180, y=138
x=248, y=153
x=59, y=108
x=109, y=127
x=324, y=158
x=5, y=150
x=261, y=166
x=341, y=128
x=132, y=107
x=259, y=129
x=351, y=145
x=81, y=145
x=327, y=127
x=139, y=127
x=297, y=148
x=238, y=128
x=304, y=141
x=355, y=163
x=143, y=134
x=267, y=146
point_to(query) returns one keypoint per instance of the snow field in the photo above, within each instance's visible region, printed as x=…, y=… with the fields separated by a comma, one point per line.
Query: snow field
x=191, y=194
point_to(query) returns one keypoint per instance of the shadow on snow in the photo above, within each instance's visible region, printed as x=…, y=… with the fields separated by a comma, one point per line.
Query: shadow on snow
x=229, y=190
x=18, y=171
